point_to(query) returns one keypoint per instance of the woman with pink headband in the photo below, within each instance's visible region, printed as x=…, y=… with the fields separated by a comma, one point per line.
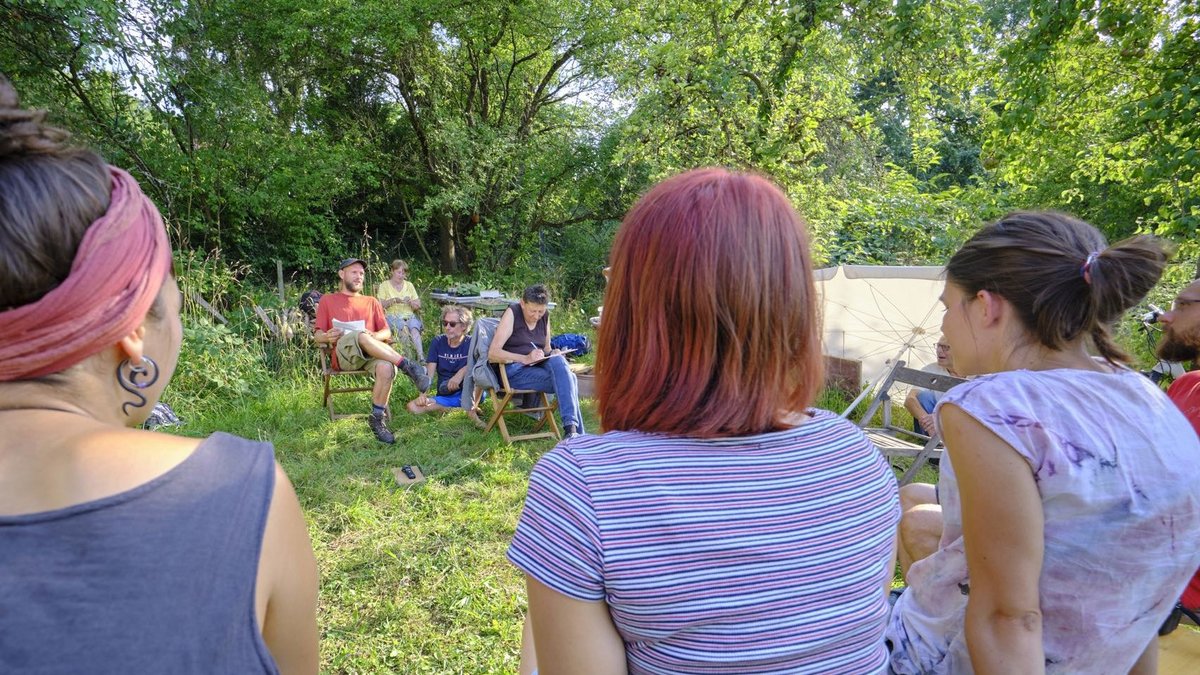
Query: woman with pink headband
x=122, y=550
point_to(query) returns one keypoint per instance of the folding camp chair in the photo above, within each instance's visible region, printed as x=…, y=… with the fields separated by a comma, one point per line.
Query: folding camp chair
x=895, y=441
x=328, y=373
x=490, y=376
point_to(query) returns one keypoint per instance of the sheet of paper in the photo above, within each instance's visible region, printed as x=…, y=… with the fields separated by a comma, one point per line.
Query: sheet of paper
x=348, y=326
x=563, y=353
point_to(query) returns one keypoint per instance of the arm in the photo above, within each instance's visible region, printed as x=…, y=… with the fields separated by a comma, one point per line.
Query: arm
x=379, y=319
x=287, y=577
x=455, y=383
x=323, y=333
x=496, y=351
x=914, y=408
x=1003, y=533
x=413, y=299
x=573, y=636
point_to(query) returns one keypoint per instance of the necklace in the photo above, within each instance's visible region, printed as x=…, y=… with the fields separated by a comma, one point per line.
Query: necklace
x=45, y=409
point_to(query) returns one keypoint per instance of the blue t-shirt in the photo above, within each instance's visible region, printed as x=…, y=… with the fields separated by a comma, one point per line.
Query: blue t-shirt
x=449, y=360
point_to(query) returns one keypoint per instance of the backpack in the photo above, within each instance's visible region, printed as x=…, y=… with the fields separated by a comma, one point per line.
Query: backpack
x=575, y=341
x=309, y=302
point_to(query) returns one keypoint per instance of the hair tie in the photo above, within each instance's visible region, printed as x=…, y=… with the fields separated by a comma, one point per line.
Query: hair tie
x=1086, y=270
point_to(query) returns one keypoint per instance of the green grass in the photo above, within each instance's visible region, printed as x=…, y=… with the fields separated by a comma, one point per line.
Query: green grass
x=415, y=579
x=412, y=580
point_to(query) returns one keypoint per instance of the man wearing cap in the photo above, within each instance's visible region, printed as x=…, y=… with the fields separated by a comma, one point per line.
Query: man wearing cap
x=359, y=341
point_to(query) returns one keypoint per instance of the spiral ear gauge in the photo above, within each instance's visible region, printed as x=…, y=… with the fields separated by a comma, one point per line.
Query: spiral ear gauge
x=134, y=378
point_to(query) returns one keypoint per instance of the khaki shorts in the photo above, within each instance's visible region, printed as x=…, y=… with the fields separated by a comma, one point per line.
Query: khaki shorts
x=350, y=356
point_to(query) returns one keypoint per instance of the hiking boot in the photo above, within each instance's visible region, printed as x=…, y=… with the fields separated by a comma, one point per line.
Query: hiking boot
x=416, y=373
x=379, y=427
x=570, y=432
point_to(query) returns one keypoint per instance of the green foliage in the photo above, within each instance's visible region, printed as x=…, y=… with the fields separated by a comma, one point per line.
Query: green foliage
x=215, y=364
x=503, y=141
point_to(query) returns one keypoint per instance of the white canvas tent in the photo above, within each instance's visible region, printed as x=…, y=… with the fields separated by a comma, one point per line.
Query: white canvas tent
x=876, y=314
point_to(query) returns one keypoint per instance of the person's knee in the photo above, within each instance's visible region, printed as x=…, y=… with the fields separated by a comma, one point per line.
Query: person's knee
x=915, y=494
x=921, y=523
x=384, y=372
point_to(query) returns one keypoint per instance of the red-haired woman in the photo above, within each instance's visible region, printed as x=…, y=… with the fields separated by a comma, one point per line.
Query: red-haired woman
x=720, y=524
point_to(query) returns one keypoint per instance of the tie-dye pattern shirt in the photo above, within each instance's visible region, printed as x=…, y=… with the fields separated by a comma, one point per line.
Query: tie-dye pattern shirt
x=1118, y=470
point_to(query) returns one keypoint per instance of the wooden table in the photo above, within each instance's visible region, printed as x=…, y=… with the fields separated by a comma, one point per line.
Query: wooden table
x=492, y=306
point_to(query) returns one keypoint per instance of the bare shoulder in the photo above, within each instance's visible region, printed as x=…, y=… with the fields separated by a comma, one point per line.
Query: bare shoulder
x=74, y=467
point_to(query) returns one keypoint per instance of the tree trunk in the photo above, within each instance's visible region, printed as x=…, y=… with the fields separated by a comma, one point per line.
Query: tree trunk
x=447, y=254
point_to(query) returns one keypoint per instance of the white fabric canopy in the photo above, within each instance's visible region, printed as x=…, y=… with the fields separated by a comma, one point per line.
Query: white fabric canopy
x=874, y=314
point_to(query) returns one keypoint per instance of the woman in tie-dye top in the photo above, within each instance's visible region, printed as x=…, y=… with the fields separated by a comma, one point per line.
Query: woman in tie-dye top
x=720, y=525
x=1071, y=498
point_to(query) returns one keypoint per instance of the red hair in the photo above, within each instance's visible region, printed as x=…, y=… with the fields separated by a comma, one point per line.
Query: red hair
x=710, y=318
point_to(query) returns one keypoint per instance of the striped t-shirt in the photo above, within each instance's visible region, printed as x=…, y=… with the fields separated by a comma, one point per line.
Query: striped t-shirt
x=765, y=553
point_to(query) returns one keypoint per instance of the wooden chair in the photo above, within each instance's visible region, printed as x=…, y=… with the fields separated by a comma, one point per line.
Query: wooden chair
x=895, y=441
x=502, y=406
x=328, y=373
x=492, y=377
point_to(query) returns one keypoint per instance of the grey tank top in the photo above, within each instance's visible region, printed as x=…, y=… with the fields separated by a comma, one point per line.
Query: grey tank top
x=157, y=579
x=522, y=339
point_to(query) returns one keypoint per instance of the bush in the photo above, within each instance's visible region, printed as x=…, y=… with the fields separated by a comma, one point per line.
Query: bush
x=215, y=364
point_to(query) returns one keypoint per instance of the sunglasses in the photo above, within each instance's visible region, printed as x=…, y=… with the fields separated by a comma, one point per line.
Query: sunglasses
x=942, y=348
x=451, y=324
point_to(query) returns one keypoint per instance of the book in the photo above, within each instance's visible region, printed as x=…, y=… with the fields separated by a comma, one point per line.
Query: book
x=563, y=352
x=348, y=326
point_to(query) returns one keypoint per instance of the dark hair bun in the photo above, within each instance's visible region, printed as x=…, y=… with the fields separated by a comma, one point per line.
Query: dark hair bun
x=21, y=130
x=1124, y=273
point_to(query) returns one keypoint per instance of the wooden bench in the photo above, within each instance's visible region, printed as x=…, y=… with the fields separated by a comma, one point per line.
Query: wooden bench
x=895, y=441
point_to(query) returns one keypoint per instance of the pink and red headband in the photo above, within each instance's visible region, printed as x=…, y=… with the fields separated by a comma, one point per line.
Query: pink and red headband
x=117, y=272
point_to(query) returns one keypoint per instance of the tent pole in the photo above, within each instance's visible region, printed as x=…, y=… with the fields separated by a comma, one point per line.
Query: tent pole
x=882, y=376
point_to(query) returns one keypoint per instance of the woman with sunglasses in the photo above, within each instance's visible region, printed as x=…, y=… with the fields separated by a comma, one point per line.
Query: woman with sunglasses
x=447, y=359
x=122, y=550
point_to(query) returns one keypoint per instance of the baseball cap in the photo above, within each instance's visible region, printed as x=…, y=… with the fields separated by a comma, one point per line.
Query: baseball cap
x=350, y=261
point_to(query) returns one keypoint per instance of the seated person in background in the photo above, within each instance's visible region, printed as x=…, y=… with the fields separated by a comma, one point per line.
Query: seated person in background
x=720, y=525
x=920, y=402
x=1070, y=481
x=401, y=302
x=364, y=348
x=523, y=338
x=448, y=359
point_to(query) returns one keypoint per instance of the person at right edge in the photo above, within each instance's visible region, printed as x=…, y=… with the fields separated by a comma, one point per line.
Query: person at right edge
x=1181, y=342
x=122, y=550
x=1070, y=487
